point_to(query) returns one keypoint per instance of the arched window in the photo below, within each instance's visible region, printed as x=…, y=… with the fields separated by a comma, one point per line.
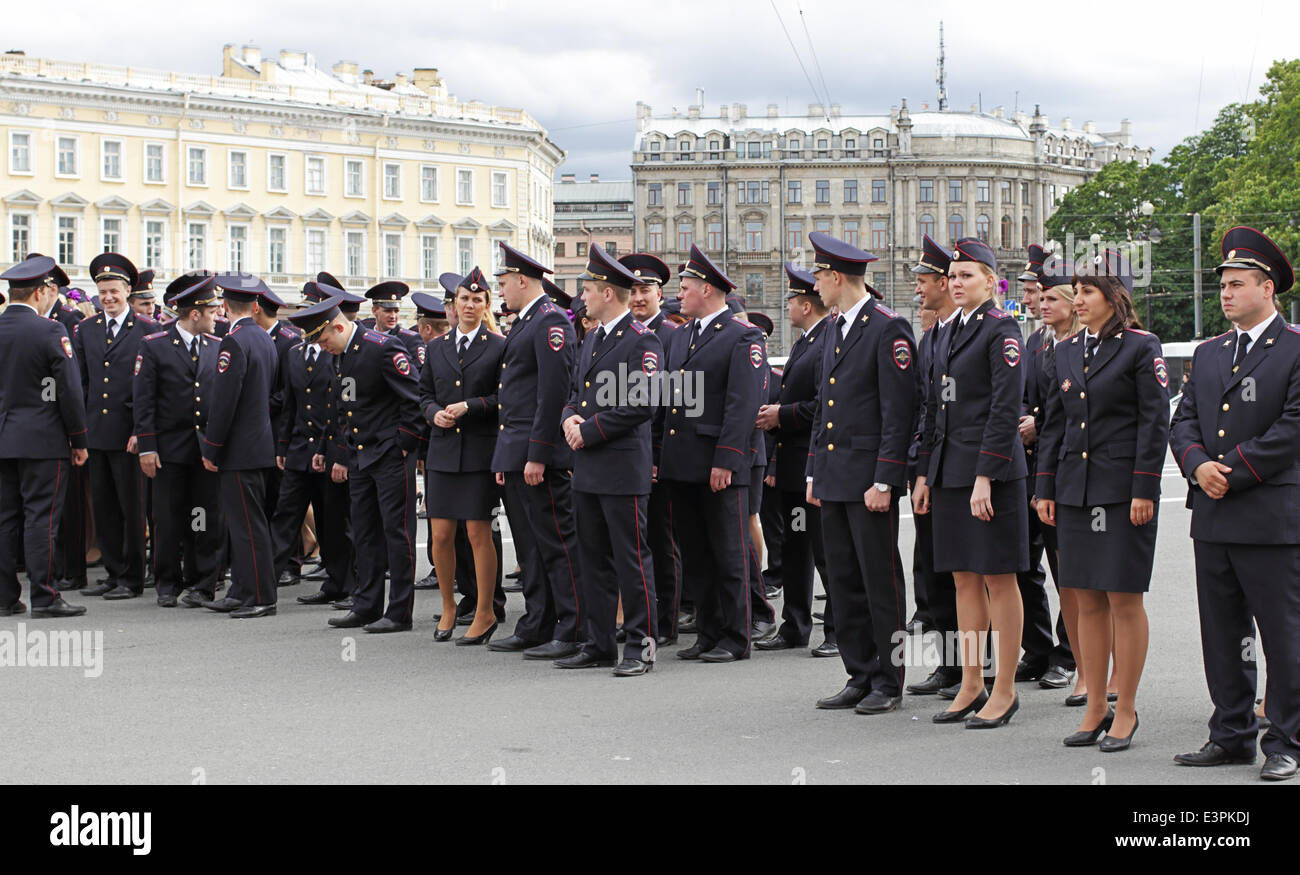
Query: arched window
x=1005, y=236
x=982, y=227
x=954, y=228
x=927, y=225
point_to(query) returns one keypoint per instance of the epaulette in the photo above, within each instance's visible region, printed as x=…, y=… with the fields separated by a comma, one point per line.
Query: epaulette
x=997, y=314
x=497, y=333
x=547, y=306
x=888, y=312
x=211, y=336
x=639, y=328
x=155, y=336
x=407, y=332
x=1293, y=328
x=286, y=331
x=743, y=321
x=778, y=371
x=376, y=336
x=1218, y=337
x=234, y=330
x=1139, y=331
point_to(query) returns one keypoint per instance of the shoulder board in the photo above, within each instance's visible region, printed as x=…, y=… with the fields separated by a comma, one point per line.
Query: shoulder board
x=497, y=333
x=778, y=371
x=443, y=336
x=211, y=336
x=1138, y=331
x=1294, y=329
x=406, y=332
x=375, y=336
x=997, y=314
x=888, y=312
x=235, y=330
x=743, y=321
x=547, y=306
x=639, y=328
x=1219, y=337
x=286, y=331
x=155, y=336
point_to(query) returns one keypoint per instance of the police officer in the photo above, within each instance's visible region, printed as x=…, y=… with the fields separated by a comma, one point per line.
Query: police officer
x=607, y=425
x=646, y=302
x=386, y=304
x=1236, y=435
x=173, y=387
x=531, y=461
x=789, y=422
x=142, y=296
x=42, y=425
x=857, y=469
x=239, y=444
x=707, y=424
x=377, y=426
x=106, y=347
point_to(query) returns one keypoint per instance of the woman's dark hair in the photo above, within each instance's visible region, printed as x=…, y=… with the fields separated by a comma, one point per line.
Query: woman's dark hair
x=1112, y=289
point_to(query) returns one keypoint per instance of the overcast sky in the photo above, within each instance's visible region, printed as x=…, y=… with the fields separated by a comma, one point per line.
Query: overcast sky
x=580, y=67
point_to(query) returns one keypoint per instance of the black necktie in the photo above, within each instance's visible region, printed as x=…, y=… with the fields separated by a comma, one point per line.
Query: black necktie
x=839, y=326
x=112, y=329
x=464, y=344
x=1243, y=343
x=1090, y=348
x=311, y=356
x=695, y=335
x=194, y=348
x=600, y=338
x=956, y=330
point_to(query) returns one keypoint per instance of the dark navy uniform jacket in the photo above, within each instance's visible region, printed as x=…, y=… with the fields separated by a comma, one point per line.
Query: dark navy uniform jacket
x=973, y=403
x=1034, y=351
x=617, y=449
x=285, y=337
x=378, y=400
x=239, y=436
x=798, y=406
x=867, y=400
x=533, y=385
x=173, y=395
x=1249, y=421
x=449, y=378
x=663, y=329
x=727, y=360
x=414, y=346
x=758, y=439
x=1105, y=430
x=66, y=315
x=924, y=366
x=307, y=392
x=34, y=349
x=107, y=370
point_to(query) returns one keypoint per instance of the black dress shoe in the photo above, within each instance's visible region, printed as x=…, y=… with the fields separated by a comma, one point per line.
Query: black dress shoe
x=778, y=642
x=193, y=598
x=476, y=640
x=1028, y=672
x=1214, y=754
x=761, y=630
x=13, y=610
x=951, y=691
x=976, y=722
x=384, y=625
x=771, y=591
x=1115, y=743
x=686, y=623
x=846, y=698
x=70, y=585
x=287, y=578
x=1055, y=678
x=430, y=581
x=630, y=668
x=583, y=659
x=120, y=593
x=511, y=644
x=252, y=612
x=1076, y=700
x=512, y=586
x=58, y=608
x=878, y=702
x=514, y=575
x=316, y=598
x=552, y=650
x=100, y=588
x=960, y=715
x=718, y=654
x=316, y=575
x=343, y=604
x=826, y=649
x=166, y=601
x=939, y=678
x=692, y=652
x=466, y=619
x=1279, y=767
x=1086, y=738
x=665, y=640
x=223, y=605
x=348, y=621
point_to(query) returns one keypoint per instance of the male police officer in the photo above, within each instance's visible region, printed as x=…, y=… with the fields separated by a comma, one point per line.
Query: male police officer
x=607, y=424
x=1236, y=436
x=42, y=422
x=173, y=387
x=387, y=307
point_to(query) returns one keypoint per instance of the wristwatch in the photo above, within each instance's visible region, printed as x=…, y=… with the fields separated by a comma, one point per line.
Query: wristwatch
x=882, y=487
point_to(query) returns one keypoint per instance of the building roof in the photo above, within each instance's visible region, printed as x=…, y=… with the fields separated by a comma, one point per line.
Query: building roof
x=613, y=191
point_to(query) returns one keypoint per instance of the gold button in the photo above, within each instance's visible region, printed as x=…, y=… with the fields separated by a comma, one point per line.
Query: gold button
x=832, y=381
x=196, y=384
x=498, y=407
x=943, y=406
x=105, y=411
x=830, y=448
x=1035, y=409
x=106, y=379
x=503, y=428
x=309, y=391
x=1085, y=455
x=1083, y=394
x=584, y=404
x=105, y=394
x=1221, y=432
x=674, y=411
x=458, y=382
x=197, y=398
x=830, y=403
x=105, y=364
x=361, y=446
x=309, y=422
x=1083, y=425
x=588, y=385
x=1220, y=455
x=349, y=413
x=830, y=425
x=1225, y=407
x=672, y=431
x=501, y=385
x=354, y=431
x=458, y=431
x=837, y=350
x=308, y=406
x=196, y=428
x=196, y=413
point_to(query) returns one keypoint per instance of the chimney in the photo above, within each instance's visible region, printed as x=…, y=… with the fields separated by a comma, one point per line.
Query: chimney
x=426, y=79
x=693, y=112
x=567, y=178
x=974, y=107
x=999, y=112
x=815, y=110
x=835, y=110
x=742, y=112
x=595, y=177
x=346, y=71
x=725, y=112
x=1066, y=124
x=368, y=77
x=401, y=80
x=893, y=116
x=293, y=60
x=1090, y=127
x=1019, y=117
x=251, y=56
x=1126, y=132
x=773, y=110
x=227, y=52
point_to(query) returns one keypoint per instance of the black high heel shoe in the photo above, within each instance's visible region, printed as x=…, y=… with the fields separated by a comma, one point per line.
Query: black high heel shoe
x=475, y=640
x=1089, y=737
x=1114, y=743
x=977, y=722
x=443, y=634
x=960, y=715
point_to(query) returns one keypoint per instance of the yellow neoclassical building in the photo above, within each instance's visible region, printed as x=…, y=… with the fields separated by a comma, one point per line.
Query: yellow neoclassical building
x=276, y=167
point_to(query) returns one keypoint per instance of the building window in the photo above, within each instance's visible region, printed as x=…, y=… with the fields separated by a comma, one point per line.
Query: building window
x=67, y=240
x=112, y=234
x=850, y=191
x=276, y=176
x=66, y=151
x=499, y=189
x=878, y=147
x=611, y=248
x=683, y=194
x=155, y=232
x=1024, y=193
x=20, y=152
x=238, y=235
x=822, y=226
x=275, y=246
x=198, y=246
x=392, y=181
x=1051, y=195
x=429, y=257
x=926, y=195
x=878, y=191
x=983, y=191
x=954, y=189
x=954, y=228
x=581, y=250
x=714, y=237
x=20, y=235
x=714, y=194
x=1024, y=231
x=315, y=250
x=753, y=192
x=753, y=236
x=111, y=151
x=198, y=166
x=982, y=227
x=654, y=237
x=496, y=257
x=1004, y=233
x=714, y=147
x=465, y=186
x=794, y=192
x=238, y=175
x=794, y=145
x=822, y=146
x=927, y=226
x=823, y=191
x=154, y=163
x=559, y=249
x=315, y=170
x=793, y=236
x=1004, y=188
x=393, y=255
x=465, y=255
x=655, y=194
x=850, y=147
x=878, y=279
x=354, y=253
x=655, y=146
x=879, y=233
x=428, y=184
x=851, y=234
x=354, y=178
x=685, y=235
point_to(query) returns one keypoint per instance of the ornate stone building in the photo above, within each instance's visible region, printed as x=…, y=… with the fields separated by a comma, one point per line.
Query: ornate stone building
x=586, y=212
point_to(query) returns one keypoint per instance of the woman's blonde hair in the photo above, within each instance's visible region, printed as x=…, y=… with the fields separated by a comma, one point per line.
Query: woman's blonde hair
x=1069, y=292
x=994, y=292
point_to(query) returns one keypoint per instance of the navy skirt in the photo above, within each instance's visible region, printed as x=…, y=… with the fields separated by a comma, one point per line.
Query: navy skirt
x=1101, y=549
x=471, y=495
x=965, y=543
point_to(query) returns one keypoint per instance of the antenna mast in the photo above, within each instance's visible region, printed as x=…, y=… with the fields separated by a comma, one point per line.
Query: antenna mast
x=939, y=75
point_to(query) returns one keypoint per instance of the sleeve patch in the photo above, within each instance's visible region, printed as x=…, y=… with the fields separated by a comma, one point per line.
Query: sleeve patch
x=139, y=360
x=555, y=338
x=650, y=363
x=902, y=354
x=756, y=355
x=1011, y=350
x=402, y=363
x=223, y=361
x=1162, y=373
x=419, y=352
x=67, y=350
